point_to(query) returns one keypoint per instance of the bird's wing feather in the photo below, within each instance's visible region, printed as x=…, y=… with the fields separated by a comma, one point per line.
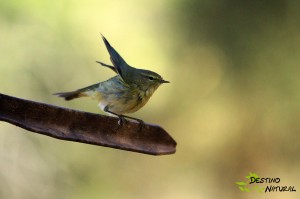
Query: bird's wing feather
x=115, y=58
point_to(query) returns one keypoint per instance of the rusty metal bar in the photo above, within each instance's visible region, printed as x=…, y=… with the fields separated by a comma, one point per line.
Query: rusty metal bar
x=78, y=126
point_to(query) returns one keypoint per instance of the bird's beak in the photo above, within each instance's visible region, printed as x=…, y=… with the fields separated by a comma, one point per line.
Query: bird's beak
x=164, y=81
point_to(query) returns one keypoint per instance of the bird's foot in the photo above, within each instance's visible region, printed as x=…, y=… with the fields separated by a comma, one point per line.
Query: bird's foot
x=121, y=121
x=141, y=124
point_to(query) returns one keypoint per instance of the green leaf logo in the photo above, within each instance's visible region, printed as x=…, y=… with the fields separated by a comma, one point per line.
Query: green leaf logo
x=241, y=183
x=243, y=186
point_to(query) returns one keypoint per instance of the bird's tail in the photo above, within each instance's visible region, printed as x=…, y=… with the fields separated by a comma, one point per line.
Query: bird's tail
x=70, y=95
x=84, y=92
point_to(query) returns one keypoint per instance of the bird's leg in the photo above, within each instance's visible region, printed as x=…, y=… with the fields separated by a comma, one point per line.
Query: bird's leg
x=121, y=117
x=108, y=66
x=141, y=122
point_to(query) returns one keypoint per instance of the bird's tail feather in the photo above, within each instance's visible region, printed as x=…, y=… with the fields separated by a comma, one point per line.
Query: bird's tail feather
x=70, y=95
x=84, y=92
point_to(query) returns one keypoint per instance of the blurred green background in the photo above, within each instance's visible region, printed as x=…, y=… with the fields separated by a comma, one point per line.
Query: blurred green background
x=233, y=104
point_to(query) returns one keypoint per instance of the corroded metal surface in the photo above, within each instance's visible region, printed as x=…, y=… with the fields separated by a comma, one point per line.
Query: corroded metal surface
x=78, y=126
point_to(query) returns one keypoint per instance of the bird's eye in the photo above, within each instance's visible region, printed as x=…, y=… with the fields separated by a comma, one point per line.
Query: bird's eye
x=151, y=78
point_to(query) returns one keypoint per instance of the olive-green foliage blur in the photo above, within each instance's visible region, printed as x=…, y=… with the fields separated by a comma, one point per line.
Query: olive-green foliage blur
x=233, y=104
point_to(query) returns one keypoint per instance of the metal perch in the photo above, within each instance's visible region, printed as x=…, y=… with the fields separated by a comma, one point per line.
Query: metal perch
x=78, y=126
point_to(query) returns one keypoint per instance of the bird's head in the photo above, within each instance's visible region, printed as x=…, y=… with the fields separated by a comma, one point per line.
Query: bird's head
x=146, y=79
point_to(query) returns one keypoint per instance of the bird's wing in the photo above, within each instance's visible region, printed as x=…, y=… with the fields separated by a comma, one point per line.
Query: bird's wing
x=108, y=66
x=118, y=62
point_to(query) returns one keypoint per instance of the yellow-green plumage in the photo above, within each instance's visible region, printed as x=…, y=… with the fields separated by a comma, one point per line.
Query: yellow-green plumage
x=126, y=92
x=118, y=96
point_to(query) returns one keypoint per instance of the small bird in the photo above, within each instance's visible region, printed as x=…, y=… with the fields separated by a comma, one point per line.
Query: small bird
x=126, y=92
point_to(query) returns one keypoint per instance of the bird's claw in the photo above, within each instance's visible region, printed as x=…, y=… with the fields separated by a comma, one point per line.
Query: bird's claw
x=141, y=124
x=121, y=121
